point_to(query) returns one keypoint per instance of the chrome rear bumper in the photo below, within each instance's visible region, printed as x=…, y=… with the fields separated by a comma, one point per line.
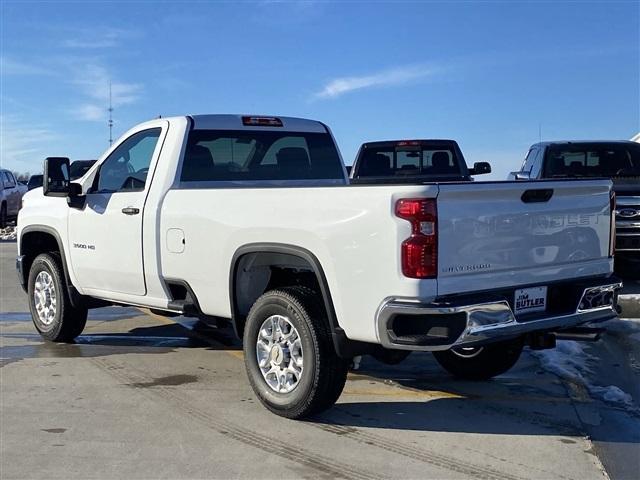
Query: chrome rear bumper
x=482, y=323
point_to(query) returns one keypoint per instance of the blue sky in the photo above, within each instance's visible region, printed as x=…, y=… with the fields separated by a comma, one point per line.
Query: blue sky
x=484, y=73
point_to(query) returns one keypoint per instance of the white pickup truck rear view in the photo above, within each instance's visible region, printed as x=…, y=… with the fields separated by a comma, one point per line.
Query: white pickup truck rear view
x=252, y=220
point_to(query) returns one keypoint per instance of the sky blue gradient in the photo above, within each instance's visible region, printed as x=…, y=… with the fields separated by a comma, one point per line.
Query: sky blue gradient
x=491, y=75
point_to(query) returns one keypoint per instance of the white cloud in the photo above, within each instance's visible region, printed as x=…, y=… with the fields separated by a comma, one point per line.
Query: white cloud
x=9, y=66
x=93, y=81
x=98, y=38
x=91, y=112
x=390, y=77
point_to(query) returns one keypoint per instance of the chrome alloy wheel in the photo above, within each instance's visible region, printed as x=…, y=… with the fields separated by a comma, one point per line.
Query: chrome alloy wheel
x=467, y=352
x=279, y=354
x=44, y=296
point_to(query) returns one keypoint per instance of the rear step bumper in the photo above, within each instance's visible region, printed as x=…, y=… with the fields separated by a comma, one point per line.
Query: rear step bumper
x=406, y=325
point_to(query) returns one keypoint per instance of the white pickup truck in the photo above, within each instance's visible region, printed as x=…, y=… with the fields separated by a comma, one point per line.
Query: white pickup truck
x=252, y=220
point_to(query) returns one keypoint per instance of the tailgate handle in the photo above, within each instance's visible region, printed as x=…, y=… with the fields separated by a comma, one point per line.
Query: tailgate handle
x=537, y=196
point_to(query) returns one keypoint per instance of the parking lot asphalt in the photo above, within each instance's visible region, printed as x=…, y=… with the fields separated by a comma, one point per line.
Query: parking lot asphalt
x=141, y=396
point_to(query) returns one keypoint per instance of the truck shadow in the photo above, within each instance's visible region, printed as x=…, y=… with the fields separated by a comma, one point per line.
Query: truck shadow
x=482, y=416
x=156, y=339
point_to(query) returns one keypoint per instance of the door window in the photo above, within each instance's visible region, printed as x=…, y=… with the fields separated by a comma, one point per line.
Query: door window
x=125, y=170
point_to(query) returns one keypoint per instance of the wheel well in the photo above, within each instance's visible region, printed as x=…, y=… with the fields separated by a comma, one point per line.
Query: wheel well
x=259, y=267
x=259, y=272
x=254, y=272
x=33, y=244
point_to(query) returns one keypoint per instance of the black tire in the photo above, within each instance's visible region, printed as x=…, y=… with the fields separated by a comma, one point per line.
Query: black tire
x=3, y=215
x=324, y=373
x=67, y=321
x=481, y=363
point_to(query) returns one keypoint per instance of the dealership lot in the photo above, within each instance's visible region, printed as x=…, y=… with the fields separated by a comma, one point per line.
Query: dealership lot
x=140, y=396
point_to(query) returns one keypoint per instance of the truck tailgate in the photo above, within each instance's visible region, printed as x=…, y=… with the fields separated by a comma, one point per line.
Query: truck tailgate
x=495, y=235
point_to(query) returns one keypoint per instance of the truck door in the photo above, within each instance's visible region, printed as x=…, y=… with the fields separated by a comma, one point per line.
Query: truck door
x=105, y=237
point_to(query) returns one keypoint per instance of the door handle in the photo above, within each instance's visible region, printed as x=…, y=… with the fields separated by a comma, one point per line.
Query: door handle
x=537, y=196
x=130, y=211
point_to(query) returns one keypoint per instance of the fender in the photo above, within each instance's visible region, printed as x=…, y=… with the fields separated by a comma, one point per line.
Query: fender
x=54, y=233
x=344, y=347
x=74, y=295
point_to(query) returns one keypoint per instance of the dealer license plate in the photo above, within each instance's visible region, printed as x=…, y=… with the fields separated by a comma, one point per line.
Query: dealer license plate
x=528, y=300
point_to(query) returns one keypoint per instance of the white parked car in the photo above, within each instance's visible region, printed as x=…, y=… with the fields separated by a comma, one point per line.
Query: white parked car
x=252, y=219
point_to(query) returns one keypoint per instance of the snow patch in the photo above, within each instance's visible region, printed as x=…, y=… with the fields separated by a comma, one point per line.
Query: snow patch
x=612, y=394
x=569, y=360
x=8, y=234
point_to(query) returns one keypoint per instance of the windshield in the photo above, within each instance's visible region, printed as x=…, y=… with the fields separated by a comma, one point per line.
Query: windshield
x=434, y=160
x=593, y=160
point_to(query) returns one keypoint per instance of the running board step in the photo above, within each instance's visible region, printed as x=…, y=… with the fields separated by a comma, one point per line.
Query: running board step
x=183, y=306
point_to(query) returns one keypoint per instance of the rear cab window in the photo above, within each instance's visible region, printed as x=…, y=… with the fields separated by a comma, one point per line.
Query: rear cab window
x=259, y=156
x=419, y=158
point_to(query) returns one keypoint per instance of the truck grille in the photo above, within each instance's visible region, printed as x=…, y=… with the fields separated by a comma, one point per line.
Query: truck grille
x=627, y=223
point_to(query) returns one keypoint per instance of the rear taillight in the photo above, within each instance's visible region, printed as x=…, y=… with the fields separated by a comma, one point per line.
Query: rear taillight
x=612, y=230
x=419, y=252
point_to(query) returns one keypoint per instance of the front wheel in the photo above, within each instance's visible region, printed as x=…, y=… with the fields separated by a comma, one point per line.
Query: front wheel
x=289, y=355
x=51, y=311
x=480, y=363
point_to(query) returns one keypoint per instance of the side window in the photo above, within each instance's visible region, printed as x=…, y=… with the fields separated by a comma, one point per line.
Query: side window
x=126, y=169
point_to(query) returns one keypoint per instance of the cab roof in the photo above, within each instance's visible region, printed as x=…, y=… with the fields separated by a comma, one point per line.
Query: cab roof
x=581, y=142
x=236, y=122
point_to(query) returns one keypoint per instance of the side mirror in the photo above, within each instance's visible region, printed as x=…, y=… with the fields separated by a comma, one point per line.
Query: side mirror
x=480, y=168
x=55, y=179
x=521, y=175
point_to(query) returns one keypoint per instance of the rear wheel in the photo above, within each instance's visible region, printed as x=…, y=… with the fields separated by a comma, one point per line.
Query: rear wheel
x=51, y=311
x=289, y=355
x=480, y=363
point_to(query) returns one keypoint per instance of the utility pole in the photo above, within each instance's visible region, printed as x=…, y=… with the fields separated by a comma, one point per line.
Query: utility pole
x=539, y=131
x=110, y=116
